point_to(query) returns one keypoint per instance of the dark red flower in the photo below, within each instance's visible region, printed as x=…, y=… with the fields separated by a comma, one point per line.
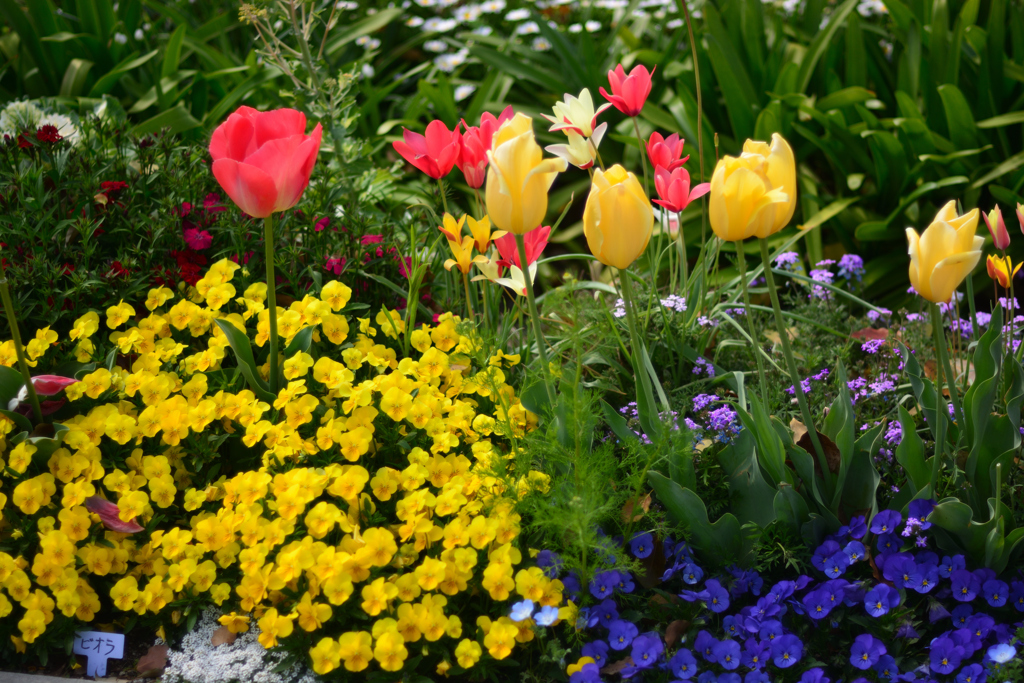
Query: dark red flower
x=371, y=239
x=24, y=142
x=321, y=224
x=111, y=187
x=48, y=133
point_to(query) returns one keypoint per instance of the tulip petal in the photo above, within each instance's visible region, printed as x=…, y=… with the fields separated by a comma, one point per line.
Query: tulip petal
x=278, y=124
x=950, y=272
x=251, y=188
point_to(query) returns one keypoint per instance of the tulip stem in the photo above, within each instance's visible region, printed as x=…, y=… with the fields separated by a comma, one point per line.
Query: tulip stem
x=538, y=333
x=19, y=349
x=787, y=351
x=479, y=204
x=940, y=348
x=634, y=335
x=268, y=245
x=643, y=155
x=754, y=337
x=970, y=303
x=444, y=199
x=469, y=302
x=682, y=251
x=940, y=411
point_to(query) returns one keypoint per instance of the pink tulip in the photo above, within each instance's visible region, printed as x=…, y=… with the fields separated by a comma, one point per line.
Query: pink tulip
x=435, y=153
x=108, y=513
x=48, y=385
x=997, y=228
x=536, y=241
x=666, y=151
x=263, y=159
x=674, y=189
x=474, y=145
x=45, y=385
x=1020, y=216
x=629, y=93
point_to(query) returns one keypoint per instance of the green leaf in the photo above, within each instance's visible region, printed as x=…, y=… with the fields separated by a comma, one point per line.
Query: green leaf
x=830, y=211
x=862, y=479
x=879, y=230
x=856, y=57
x=239, y=342
x=75, y=77
x=820, y=44
x=11, y=383
x=106, y=83
x=722, y=540
x=962, y=129
x=890, y=163
x=910, y=452
x=300, y=342
x=790, y=507
x=737, y=105
x=844, y=98
x=365, y=26
x=771, y=453
x=172, y=53
x=617, y=423
x=1002, y=120
x=177, y=119
x=1011, y=164
x=923, y=388
x=516, y=67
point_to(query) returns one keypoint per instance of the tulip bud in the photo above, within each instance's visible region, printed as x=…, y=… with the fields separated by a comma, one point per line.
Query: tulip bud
x=743, y=200
x=944, y=254
x=997, y=228
x=618, y=219
x=519, y=177
x=1020, y=216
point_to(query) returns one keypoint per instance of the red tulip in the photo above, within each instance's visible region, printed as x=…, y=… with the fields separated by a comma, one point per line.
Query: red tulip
x=674, y=189
x=666, y=151
x=629, y=93
x=435, y=153
x=536, y=241
x=474, y=145
x=45, y=385
x=108, y=515
x=263, y=159
x=997, y=228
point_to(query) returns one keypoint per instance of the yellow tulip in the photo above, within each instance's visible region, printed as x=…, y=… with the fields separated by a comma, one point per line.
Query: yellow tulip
x=618, y=219
x=944, y=254
x=463, y=253
x=754, y=194
x=1002, y=270
x=518, y=177
x=780, y=167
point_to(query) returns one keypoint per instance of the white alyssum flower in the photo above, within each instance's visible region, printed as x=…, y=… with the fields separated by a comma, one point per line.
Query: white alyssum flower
x=517, y=14
x=463, y=91
x=197, y=660
x=19, y=116
x=64, y=125
x=120, y=38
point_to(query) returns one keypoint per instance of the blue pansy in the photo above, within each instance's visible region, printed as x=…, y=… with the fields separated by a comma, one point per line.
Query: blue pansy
x=642, y=545
x=717, y=597
x=603, y=584
x=621, y=634
x=787, y=651
x=996, y=592
x=945, y=655
x=727, y=654
x=972, y=673
x=865, y=651
x=964, y=585
x=598, y=651
x=521, y=611
x=880, y=599
x=886, y=669
x=1001, y=653
x=885, y=522
x=858, y=527
x=683, y=664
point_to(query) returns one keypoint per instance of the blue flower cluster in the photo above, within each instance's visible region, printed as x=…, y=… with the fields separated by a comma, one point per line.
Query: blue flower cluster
x=915, y=615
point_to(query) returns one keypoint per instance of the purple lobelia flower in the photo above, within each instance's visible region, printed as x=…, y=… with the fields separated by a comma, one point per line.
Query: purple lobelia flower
x=865, y=651
x=787, y=651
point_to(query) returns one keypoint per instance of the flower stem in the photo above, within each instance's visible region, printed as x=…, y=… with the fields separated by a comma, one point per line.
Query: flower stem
x=940, y=411
x=19, y=349
x=268, y=245
x=682, y=251
x=940, y=348
x=634, y=335
x=787, y=351
x=444, y=199
x=754, y=337
x=469, y=299
x=538, y=333
x=643, y=155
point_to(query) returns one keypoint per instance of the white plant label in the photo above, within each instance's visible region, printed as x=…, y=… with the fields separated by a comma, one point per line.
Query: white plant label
x=98, y=647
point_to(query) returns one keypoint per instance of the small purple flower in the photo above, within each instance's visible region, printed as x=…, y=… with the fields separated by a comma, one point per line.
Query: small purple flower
x=590, y=673
x=880, y=599
x=621, y=634
x=642, y=545
x=717, y=596
x=603, y=584
x=851, y=266
x=546, y=616
x=647, y=650
x=886, y=669
x=815, y=675
x=885, y=522
x=996, y=592
x=521, y=611
x=596, y=650
x=965, y=585
x=972, y=673
x=865, y=651
x=787, y=651
x=945, y=655
x=858, y=527
x=727, y=654
x=692, y=573
x=683, y=665
x=872, y=345
x=787, y=260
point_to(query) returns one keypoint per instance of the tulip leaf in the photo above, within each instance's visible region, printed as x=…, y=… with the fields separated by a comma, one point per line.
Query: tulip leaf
x=820, y=44
x=790, y=507
x=172, y=53
x=300, y=342
x=723, y=540
x=1011, y=164
x=1002, y=120
x=373, y=22
x=239, y=342
x=771, y=453
x=176, y=119
x=962, y=129
x=923, y=388
x=844, y=98
x=22, y=422
x=830, y=211
x=737, y=104
x=107, y=82
x=879, y=230
x=11, y=383
x=890, y=163
x=516, y=67
x=910, y=452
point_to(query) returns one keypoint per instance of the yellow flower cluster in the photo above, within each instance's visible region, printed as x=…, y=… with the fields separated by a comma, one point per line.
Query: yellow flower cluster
x=371, y=490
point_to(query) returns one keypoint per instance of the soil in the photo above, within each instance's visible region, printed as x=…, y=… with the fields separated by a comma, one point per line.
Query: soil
x=136, y=645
